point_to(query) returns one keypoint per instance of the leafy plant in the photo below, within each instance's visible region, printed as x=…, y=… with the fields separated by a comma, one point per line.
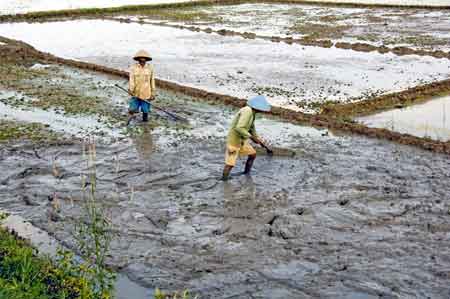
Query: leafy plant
x=93, y=234
x=24, y=275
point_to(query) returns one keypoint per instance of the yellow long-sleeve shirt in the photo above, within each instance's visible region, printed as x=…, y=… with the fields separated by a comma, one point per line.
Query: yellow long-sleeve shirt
x=142, y=81
x=242, y=127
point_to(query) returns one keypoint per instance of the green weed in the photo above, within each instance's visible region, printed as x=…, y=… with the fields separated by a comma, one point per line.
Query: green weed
x=177, y=295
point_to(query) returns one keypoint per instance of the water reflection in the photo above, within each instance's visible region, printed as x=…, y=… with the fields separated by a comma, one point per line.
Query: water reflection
x=429, y=119
x=143, y=142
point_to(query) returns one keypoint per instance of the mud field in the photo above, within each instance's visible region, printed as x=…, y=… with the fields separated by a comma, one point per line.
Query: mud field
x=339, y=216
x=347, y=217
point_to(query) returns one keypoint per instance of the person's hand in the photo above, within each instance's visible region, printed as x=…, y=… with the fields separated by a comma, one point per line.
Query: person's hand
x=152, y=98
x=264, y=145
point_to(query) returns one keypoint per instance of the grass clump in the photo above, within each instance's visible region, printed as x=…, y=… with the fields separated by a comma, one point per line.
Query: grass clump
x=36, y=132
x=182, y=295
x=178, y=15
x=319, y=31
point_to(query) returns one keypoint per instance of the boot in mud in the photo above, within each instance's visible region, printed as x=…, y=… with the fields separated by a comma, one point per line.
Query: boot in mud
x=130, y=117
x=249, y=164
x=145, y=117
x=226, y=172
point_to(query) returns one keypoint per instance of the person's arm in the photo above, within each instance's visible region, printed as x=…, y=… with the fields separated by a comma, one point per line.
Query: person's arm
x=152, y=84
x=253, y=131
x=245, y=117
x=132, y=83
x=258, y=140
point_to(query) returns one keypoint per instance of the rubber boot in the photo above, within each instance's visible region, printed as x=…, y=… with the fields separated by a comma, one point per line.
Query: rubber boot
x=130, y=117
x=249, y=164
x=226, y=172
x=145, y=117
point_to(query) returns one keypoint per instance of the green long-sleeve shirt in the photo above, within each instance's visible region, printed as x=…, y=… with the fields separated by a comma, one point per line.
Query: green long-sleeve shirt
x=242, y=127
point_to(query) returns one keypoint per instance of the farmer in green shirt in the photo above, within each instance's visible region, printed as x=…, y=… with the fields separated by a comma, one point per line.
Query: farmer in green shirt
x=242, y=129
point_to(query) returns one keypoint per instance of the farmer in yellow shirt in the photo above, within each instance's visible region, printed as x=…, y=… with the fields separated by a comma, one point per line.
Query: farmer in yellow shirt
x=142, y=85
x=242, y=129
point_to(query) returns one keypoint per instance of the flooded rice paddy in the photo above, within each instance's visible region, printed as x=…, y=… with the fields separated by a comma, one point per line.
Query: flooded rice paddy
x=391, y=27
x=299, y=77
x=429, y=119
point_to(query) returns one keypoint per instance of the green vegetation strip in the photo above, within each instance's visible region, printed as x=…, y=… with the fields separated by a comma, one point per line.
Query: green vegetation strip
x=95, y=12
x=35, y=132
x=25, y=275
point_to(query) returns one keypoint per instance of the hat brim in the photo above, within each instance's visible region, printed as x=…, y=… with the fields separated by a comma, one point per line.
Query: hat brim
x=265, y=109
x=146, y=58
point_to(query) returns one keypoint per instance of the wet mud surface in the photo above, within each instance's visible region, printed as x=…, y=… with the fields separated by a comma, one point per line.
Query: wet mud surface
x=346, y=217
x=299, y=77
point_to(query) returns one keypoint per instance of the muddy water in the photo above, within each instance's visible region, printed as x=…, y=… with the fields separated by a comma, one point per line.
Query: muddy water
x=291, y=75
x=24, y=6
x=347, y=217
x=425, y=120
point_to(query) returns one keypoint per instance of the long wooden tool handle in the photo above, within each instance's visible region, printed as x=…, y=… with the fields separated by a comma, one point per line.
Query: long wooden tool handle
x=156, y=107
x=120, y=87
x=127, y=91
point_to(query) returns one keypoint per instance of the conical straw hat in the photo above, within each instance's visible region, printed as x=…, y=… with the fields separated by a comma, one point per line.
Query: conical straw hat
x=142, y=54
